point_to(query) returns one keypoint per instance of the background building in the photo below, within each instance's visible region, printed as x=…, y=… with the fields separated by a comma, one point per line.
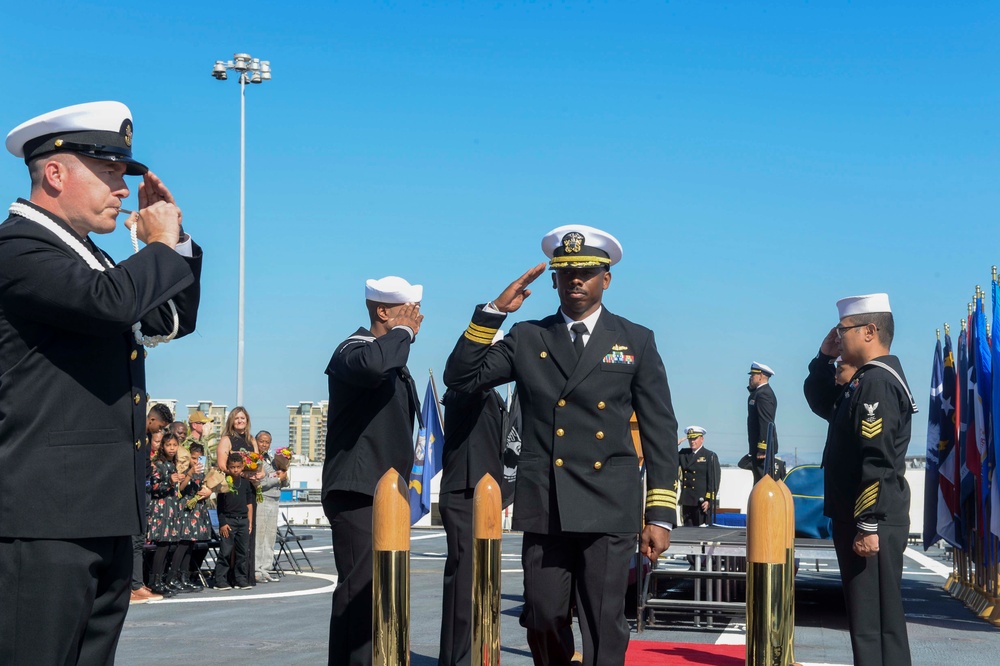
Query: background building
x=215, y=412
x=172, y=404
x=307, y=428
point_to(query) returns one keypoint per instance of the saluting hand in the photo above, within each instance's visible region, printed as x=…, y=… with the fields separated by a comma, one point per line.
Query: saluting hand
x=513, y=296
x=831, y=344
x=408, y=315
x=158, y=219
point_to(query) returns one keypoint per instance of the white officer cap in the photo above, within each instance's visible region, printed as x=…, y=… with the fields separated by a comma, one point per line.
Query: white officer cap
x=101, y=130
x=760, y=368
x=694, y=432
x=862, y=305
x=580, y=246
x=393, y=290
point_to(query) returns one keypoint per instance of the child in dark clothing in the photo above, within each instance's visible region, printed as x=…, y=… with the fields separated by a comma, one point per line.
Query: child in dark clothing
x=235, y=519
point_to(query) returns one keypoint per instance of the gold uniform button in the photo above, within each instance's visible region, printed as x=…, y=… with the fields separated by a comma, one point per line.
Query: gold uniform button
x=561, y=403
x=559, y=462
x=560, y=432
x=138, y=444
x=599, y=435
x=145, y=353
x=601, y=405
x=136, y=398
x=134, y=355
x=543, y=355
x=598, y=465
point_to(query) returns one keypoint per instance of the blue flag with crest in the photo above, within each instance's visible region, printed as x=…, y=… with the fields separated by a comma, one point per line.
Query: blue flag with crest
x=426, y=456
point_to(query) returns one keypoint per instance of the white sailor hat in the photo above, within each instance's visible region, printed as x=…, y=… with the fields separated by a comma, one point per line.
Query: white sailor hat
x=393, y=290
x=862, y=305
x=580, y=246
x=101, y=130
x=694, y=432
x=760, y=368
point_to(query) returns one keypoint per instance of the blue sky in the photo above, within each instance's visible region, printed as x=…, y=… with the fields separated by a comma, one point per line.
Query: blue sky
x=757, y=162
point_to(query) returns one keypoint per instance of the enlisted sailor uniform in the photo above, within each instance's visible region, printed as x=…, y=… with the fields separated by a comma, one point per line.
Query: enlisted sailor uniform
x=373, y=402
x=473, y=447
x=700, y=475
x=73, y=411
x=865, y=491
x=761, y=408
x=579, y=491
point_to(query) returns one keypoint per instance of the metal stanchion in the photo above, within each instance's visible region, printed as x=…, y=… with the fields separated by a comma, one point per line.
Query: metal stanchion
x=767, y=606
x=391, y=572
x=487, y=531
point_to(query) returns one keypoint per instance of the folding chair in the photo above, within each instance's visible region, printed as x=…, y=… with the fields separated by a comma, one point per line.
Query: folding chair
x=286, y=537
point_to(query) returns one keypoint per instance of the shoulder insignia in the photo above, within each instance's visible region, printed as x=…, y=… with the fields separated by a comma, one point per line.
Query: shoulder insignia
x=871, y=410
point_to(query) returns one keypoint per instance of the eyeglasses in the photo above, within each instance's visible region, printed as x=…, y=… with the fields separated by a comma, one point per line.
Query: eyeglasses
x=843, y=329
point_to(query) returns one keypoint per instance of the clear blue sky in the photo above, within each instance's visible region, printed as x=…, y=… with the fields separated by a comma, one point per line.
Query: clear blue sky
x=757, y=160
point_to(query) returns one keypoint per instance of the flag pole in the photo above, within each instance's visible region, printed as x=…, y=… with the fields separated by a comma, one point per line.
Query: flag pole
x=437, y=400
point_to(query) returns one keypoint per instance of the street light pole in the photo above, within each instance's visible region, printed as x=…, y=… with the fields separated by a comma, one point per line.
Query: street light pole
x=252, y=70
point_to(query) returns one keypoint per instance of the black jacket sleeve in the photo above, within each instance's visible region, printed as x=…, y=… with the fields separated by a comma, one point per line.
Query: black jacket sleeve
x=820, y=386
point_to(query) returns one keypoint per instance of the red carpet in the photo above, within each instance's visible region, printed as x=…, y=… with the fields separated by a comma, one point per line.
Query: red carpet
x=649, y=653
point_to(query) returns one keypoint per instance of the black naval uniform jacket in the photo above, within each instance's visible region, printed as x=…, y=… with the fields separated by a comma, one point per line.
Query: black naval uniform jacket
x=866, y=443
x=373, y=402
x=473, y=439
x=578, y=470
x=761, y=408
x=700, y=474
x=73, y=452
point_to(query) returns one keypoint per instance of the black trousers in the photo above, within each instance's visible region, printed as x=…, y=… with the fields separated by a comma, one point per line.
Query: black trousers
x=456, y=599
x=238, y=541
x=872, y=592
x=63, y=602
x=350, y=516
x=596, y=565
x=693, y=516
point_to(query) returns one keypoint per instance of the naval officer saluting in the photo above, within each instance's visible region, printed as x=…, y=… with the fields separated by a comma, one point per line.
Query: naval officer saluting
x=581, y=373
x=761, y=408
x=73, y=394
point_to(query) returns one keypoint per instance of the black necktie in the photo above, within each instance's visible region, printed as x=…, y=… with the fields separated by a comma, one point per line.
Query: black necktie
x=580, y=329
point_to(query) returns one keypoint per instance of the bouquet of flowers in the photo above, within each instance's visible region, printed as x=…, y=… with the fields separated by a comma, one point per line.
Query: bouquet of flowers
x=282, y=458
x=251, y=461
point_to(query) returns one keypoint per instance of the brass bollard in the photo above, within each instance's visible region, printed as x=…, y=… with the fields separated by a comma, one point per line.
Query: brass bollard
x=789, y=623
x=767, y=604
x=391, y=572
x=486, y=536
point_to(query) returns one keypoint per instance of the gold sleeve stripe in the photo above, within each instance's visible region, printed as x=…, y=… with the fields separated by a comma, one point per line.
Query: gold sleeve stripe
x=762, y=446
x=861, y=509
x=871, y=430
x=480, y=334
x=867, y=498
x=657, y=492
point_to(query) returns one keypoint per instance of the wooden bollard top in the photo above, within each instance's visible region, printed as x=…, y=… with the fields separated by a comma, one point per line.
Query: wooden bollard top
x=487, y=503
x=789, y=514
x=767, y=523
x=391, y=513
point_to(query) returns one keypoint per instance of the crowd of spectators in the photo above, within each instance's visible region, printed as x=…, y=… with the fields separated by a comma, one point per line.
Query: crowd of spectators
x=194, y=506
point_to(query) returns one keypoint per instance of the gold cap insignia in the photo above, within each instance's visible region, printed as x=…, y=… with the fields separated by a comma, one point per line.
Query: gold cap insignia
x=573, y=242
